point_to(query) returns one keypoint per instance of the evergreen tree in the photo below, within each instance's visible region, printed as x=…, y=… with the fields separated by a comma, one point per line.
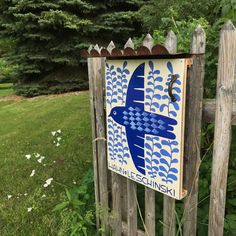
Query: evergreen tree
x=50, y=34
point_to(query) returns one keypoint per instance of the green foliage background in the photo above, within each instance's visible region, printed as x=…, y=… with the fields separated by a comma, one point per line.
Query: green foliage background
x=48, y=36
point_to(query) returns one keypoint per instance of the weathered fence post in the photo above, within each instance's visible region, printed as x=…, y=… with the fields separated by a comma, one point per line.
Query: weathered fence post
x=149, y=193
x=96, y=80
x=132, y=207
x=116, y=190
x=222, y=136
x=192, y=158
x=94, y=135
x=168, y=202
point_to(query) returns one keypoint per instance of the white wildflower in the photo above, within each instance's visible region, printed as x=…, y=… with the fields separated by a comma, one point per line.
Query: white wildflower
x=58, y=139
x=74, y=182
x=48, y=182
x=44, y=164
x=53, y=133
x=40, y=159
x=9, y=196
x=58, y=144
x=43, y=195
x=32, y=173
x=25, y=194
x=28, y=156
x=37, y=155
x=54, y=161
x=58, y=131
x=29, y=209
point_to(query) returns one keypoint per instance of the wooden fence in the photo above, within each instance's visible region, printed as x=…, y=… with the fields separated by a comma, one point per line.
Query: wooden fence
x=116, y=197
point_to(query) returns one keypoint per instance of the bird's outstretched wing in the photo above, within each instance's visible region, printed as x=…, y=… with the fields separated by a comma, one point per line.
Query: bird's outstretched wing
x=136, y=146
x=135, y=92
x=135, y=98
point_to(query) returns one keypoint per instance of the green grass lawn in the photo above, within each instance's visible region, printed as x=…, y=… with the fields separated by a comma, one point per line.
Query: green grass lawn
x=6, y=90
x=25, y=128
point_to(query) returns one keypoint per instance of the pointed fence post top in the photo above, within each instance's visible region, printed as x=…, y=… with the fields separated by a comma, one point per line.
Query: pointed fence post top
x=171, y=42
x=148, y=42
x=129, y=44
x=90, y=48
x=228, y=26
x=110, y=46
x=96, y=47
x=171, y=35
x=198, y=44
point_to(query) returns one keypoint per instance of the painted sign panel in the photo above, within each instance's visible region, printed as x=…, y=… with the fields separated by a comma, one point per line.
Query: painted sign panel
x=145, y=129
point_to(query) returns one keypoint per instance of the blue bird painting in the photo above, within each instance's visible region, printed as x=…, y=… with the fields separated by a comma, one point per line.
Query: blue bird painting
x=138, y=122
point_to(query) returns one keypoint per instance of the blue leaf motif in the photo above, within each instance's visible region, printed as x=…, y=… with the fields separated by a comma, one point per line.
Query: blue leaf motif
x=155, y=168
x=158, y=87
x=157, y=154
x=175, y=143
x=174, y=161
x=149, y=167
x=123, y=82
x=149, y=90
x=177, y=90
x=173, y=177
x=149, y=138
x=162, y=168
x=156, y=161
x=175, y=105
x=168, y=160
x=175, y=150
x=164, y=142
x=162, y=107
x=159, y=79
x=165, y=153
x=169, y=66
x=152, y=95
x=151, y=65
x=173, y=113
x=148, y=146
x=161, y=174
x=156, y=72
x=151, y=160
x=164, y=161
x=173, y=170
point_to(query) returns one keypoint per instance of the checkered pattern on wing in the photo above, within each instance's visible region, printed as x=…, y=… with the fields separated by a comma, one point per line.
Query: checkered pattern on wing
x=142, y=121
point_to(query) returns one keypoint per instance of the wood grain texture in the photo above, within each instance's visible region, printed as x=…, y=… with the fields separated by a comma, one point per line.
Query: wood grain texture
x=132, y=207
x=116, y=205
x=150, y=212
x=209, y=110
x=98, y=78
x=124, y=199
x=125, y=230
x=192, y=158
x=169, y=203
x=222, y=135
x=116, y=190
x=94, y=134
